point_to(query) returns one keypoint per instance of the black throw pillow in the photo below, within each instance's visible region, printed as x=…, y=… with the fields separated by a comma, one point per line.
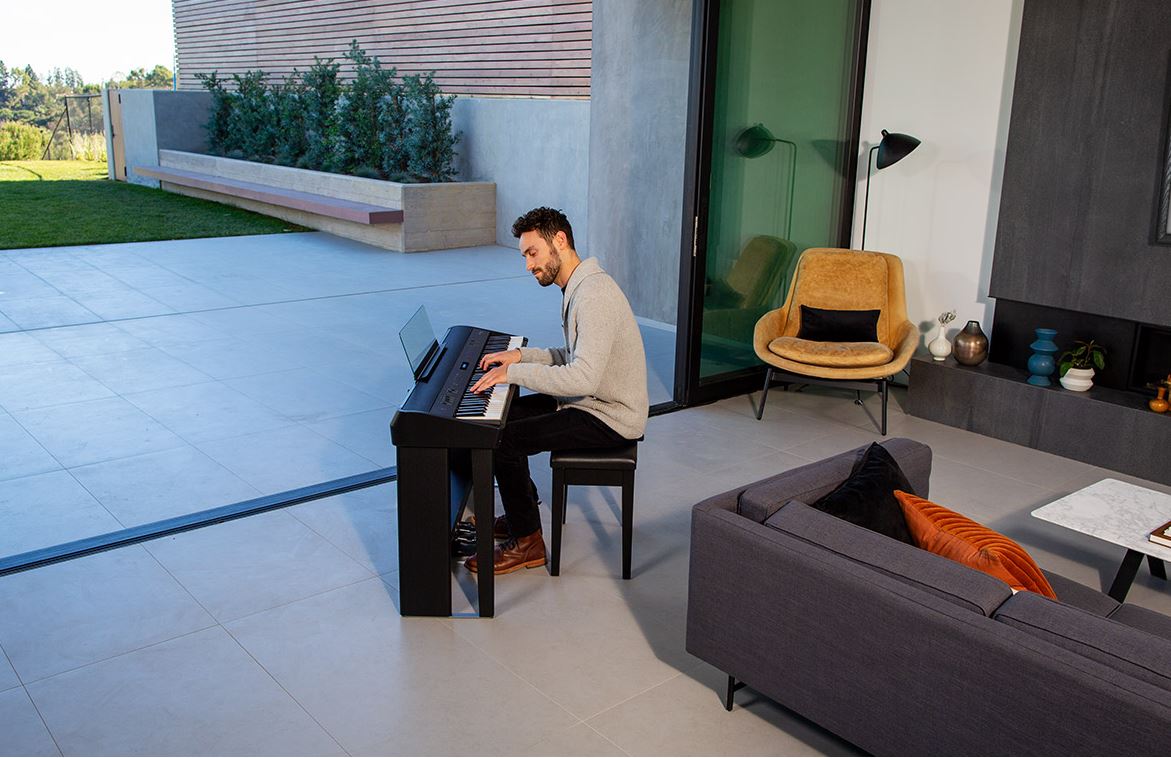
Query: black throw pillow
x=823, y=325
x=867, y=497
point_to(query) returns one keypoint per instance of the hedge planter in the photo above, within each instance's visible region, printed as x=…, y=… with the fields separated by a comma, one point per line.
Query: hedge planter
x=433, y=216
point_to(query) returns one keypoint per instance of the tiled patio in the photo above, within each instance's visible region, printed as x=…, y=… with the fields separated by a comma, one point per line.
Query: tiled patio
x=150, y=380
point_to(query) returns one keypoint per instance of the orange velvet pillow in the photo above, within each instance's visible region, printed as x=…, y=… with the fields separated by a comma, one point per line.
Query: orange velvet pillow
x=947, y=533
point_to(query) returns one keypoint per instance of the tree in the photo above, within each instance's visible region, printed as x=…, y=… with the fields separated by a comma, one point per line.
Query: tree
x=159, y=77
x=430, y=141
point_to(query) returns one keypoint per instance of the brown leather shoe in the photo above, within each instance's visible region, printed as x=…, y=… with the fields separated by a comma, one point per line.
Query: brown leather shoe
x=515, y=554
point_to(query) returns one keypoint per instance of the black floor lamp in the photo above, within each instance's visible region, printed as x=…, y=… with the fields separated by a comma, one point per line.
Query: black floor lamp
x=757, y=140
x=892, y=149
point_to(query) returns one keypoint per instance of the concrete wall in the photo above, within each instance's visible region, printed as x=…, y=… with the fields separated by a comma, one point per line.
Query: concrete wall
x=534, y=150
x=638, y=130
x=154, y=120
x=943, y=71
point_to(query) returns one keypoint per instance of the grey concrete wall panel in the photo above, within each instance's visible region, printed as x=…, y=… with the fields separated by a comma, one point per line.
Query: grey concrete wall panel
x=139, y=135
x=536, y=151
x=638, y=131
x=1084, y=160
x=180, y=118
x=1104, y=427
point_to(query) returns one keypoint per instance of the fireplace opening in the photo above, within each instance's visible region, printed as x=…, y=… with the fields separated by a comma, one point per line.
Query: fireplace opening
x=1151, y=362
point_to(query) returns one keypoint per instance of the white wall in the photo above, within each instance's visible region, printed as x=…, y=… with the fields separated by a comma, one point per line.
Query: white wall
x=943, y=71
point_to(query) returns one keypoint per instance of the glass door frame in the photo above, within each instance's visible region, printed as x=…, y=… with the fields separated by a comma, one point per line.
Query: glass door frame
x=701, y=102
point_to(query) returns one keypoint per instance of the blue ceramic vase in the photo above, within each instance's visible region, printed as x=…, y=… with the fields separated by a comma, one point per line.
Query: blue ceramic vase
x=1041, y=363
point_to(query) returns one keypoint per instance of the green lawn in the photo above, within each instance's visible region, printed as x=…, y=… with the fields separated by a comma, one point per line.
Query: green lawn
x=51, y=203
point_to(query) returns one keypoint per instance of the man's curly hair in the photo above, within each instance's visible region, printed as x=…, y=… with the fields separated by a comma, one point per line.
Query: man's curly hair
x=546, y=222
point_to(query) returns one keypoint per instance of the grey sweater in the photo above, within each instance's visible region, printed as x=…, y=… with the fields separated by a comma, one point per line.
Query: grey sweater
x=602, y=368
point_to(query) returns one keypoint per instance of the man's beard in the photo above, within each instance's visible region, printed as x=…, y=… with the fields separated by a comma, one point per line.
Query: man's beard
x=548, y=273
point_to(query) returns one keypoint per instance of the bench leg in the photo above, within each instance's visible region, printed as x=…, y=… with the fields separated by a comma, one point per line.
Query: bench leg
x=559, y=495
x=627, y=521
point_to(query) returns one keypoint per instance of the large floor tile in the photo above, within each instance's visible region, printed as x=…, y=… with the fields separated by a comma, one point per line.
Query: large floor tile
x=22, y=732
x=686, y=716
x=367, y=434
x=386, y=685
x=232, y=357
x=24, y=348
x=47, y=311
x=254, y=564
x=20, y=454
x=139, y=370
x=579, y=739
x=189, y=297
x=46, y=509
x=580, y=646
x=362, y=524
x=88, y=340
x=71, y=614
x=125, y=303
x=155, y=486
x=306, y=395
x=96, y=430
x=196, y=695
x=285, y=459
x=166, y=330
x=207, y=411
x=8, y=677
x=39, y=385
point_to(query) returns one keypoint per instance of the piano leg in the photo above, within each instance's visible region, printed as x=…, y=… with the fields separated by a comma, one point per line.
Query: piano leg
x=484, y=502
x=424, y=531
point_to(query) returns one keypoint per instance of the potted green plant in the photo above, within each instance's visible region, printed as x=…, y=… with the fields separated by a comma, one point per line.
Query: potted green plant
x=1076, y=365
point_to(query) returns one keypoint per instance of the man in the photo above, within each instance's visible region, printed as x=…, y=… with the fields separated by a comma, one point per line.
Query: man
x=591, y=393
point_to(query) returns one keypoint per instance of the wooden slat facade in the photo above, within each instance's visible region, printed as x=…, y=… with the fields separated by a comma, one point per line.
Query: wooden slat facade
x=475, y=47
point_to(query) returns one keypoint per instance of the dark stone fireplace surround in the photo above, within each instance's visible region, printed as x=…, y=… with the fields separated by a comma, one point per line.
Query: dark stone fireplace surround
x=1075, y=243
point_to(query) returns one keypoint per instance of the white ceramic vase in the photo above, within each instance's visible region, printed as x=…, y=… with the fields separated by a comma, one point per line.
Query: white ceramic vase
x=940, y=348
x=1078, y=379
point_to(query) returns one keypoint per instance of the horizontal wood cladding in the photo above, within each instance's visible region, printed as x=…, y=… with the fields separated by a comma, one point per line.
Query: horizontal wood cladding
x=475, y=47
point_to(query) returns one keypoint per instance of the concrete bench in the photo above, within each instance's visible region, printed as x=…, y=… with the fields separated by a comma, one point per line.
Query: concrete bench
x=362, y=213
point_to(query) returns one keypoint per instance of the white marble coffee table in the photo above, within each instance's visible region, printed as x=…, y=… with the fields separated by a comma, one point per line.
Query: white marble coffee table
x=1122, y=514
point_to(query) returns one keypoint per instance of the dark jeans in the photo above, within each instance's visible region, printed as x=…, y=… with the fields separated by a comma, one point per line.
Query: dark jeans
x=535, y=425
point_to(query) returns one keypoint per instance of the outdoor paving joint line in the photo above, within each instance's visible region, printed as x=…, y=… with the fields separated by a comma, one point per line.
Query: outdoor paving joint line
x=41, y=716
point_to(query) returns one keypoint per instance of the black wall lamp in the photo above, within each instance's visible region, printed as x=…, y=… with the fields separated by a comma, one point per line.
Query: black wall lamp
x=892, y=149
x=757, y=140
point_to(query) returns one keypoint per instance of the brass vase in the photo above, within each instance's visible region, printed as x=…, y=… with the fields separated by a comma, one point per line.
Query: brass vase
x=970, y=345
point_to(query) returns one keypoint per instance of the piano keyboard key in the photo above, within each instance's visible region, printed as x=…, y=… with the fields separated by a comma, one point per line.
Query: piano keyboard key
x=488, y=406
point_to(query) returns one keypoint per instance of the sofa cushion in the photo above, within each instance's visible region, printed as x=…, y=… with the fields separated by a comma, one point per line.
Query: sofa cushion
x=807, y=483
x=828, y=325
x=832, y=354
x=947, y=533
x=1080, y=596
x=867, y=498
x=1134, y=652
x=1143, y=618
x=946, y=579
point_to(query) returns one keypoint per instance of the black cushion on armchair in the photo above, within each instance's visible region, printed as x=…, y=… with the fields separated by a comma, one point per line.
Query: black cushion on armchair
x=867, y=498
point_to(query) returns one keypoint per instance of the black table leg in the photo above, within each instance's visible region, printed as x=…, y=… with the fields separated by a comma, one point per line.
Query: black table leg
x=1125, y=576
x=484, y=503
x=1158, y=570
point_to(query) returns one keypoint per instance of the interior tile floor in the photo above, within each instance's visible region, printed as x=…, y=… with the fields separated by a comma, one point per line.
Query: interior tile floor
x=280, y=634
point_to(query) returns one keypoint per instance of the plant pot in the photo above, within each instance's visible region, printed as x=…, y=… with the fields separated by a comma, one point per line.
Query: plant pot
x=1078, y=379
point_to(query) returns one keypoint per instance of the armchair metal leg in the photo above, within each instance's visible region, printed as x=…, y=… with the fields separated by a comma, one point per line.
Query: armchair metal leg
x=768, y=379
x=857, y=397
x=883, y=390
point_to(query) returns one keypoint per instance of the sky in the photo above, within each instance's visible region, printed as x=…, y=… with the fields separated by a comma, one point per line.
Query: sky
x=101, y=40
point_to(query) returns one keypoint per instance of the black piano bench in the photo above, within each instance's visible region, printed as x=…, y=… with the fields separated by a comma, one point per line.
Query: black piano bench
x=605, y=467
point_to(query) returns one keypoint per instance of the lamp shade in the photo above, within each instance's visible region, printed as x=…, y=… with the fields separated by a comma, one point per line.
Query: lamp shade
x=754, y=141
x=894, y=147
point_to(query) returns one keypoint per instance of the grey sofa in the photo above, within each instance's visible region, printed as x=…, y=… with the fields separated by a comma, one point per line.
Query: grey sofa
x=900, y=651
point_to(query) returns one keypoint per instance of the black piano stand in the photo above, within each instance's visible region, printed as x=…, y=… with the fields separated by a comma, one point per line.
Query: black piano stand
x=428, y=505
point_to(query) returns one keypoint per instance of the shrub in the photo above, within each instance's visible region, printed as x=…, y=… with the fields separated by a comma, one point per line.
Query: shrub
x=359, y=131
x=252, y=122
x=289, y=142
x=430, y=143
x=22, y=142
x=221, y=111
x=319, y=100
x=88, y=146
x=392, y=127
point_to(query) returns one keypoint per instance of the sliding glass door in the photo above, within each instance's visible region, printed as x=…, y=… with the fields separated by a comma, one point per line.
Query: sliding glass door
x=775, y=141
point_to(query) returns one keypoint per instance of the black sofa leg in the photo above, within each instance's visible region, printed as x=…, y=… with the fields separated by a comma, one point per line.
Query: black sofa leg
x=768, y=379
x=733, y=685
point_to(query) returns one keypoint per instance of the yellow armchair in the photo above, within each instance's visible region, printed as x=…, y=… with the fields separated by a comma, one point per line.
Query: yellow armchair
x=837, y=279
